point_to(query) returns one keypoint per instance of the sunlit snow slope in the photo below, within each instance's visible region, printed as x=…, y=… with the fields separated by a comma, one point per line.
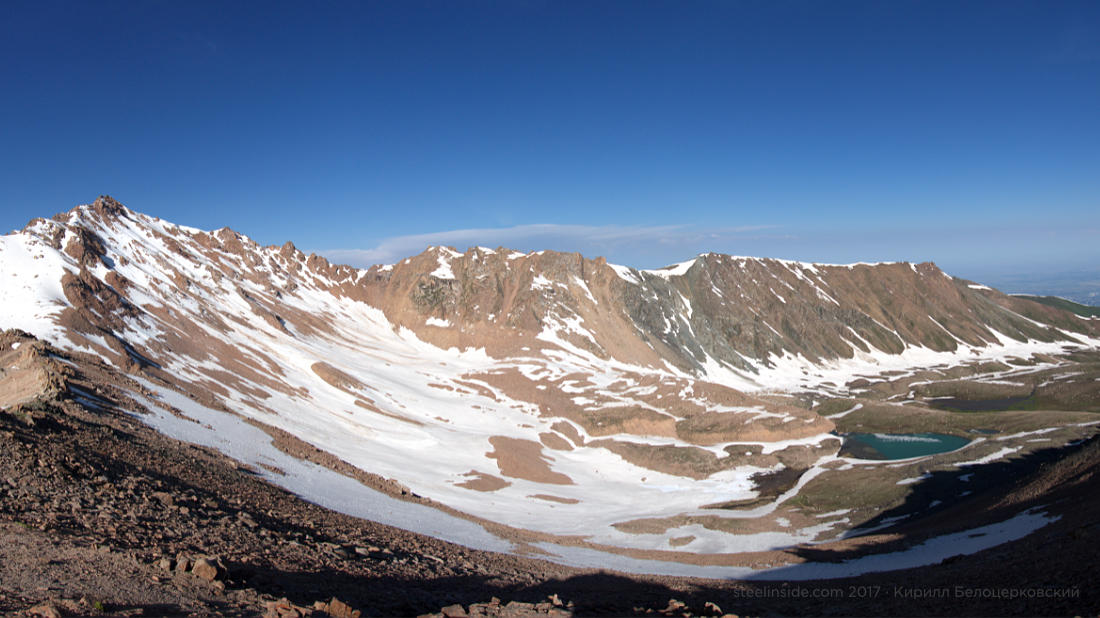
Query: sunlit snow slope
x=543, y=391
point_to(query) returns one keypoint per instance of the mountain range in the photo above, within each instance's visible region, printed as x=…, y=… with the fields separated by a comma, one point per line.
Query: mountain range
x=546, y=402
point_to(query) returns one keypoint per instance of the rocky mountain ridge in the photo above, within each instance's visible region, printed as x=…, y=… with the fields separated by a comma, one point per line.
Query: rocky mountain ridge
x=737, y=312
x=564, y=398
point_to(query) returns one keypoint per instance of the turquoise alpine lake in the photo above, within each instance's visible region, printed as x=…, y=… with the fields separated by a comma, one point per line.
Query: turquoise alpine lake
x=899, y=445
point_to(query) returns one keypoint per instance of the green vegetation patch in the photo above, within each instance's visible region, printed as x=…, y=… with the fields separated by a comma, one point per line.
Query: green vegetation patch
x=835, y=406
x=956, y=404
x=880, y=417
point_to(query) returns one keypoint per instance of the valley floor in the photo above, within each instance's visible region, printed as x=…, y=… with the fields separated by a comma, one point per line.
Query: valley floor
x=94, y=505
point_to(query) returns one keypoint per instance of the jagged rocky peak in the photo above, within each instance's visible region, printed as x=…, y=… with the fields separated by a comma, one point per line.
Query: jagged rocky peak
x=289, y=251
x=102, y=211
x=107, y=206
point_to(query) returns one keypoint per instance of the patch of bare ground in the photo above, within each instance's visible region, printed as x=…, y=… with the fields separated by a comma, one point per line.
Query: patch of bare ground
x=793, y=520
x=688, y=461
x=554, y=441
x=698, y=463
x=609, y=417
x=680, y=541
x=336, y=377
x=635, y=420
x=368, y=405
x=480, y=481
x=524, y=459
x=557, y=499
x=768, y=486
x=518, y=386
x=715, y=428
x=569, y=431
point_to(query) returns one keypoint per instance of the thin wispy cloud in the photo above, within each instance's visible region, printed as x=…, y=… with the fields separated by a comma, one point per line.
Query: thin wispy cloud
x=615, y=242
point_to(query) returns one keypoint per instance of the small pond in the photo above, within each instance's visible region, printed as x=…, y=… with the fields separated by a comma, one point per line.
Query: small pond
x=898, y=445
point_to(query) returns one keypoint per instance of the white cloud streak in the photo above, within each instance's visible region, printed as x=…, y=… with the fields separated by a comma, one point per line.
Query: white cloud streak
x=613, y=241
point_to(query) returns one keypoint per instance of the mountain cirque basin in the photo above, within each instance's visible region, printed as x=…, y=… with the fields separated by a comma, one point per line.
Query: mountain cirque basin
x=675, y=422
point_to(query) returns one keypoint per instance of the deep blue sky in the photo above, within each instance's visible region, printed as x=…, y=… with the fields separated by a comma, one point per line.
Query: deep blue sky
x=961, y=132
